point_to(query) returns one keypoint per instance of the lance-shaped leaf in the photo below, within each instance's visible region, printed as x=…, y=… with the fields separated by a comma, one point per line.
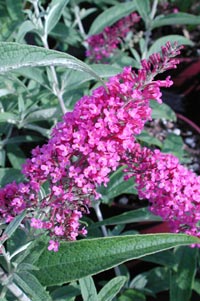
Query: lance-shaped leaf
x=111, y=289
x=133, y=216
x=82, y=258
x=11, y=228
x=14, y=56
x=179, y=18
x=88, y=289
x=182, y=278
x=55, y=11
x=143, y=7
x=111, y=15
x=31, y=286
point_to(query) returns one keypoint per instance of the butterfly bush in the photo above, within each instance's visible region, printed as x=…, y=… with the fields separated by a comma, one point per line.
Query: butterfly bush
x=104, y=44
x=91, y=142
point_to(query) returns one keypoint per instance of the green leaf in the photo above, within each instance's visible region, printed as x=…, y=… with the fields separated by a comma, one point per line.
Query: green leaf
x=162, y=111
x=14, y=56
x=67, y=35
x=156, y=47
x=138, y=282
x=54, y=13
x=143, y=8
x=182, y=278
x=33, y=252
x=8, y=175
x=43, y=131
x=33, y=73
x=31, y=286
x=133, y=216
x=15, y=9
x=23, y=139
x=179, y=18
x=111, y=289
x=86, y=257
x=174, y=144
x=16, y=156
x=165, y=258
x=157, y=279
x=2, y=157
x=65, y=292
x=24, y=28
x=147, y=138
x=43, y=114
x=12, y=227
x=117, y=186
x=88, y=289
x=4, y=92
x=131, y=294
x=9, y=117
x=18, y=239
x=196, y=286
x=72, y=79
x=110, y=16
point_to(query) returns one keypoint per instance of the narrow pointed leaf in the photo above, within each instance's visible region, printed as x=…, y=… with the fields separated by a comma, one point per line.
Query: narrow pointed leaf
x=111, y=289
x=79, y=259
x=157, y=279
x=111, y=15
x=165, y=258
x=179, y=18
x=8, y=117
x=8, y=175
x=133, y=216
x=15, y=9
x=149, y=139
x=16, y=156
x=162, y=111
x=74, y=79
x=31, y=286
x=14, y=56
x=182, y=279
x=143, y=7
x=42, y=114
x=88, y=289
x=55, y=11
x=13, y=225
x=24, y=28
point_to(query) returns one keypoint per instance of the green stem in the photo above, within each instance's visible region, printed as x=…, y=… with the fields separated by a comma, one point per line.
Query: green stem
x=12, y=287
x=79, y=22
x=56, y=90
x=100, y=218
x=148, y=26
x=154, y=9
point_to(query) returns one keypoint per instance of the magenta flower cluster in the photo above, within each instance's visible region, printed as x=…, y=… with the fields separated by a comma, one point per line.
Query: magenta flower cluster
x=171, y=188
x=104, y=44
x=90, y=143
